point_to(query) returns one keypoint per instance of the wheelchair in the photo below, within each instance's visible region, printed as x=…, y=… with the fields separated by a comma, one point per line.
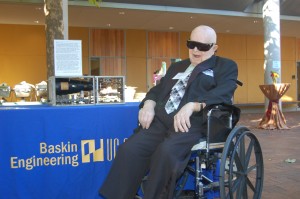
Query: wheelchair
x=228, y=163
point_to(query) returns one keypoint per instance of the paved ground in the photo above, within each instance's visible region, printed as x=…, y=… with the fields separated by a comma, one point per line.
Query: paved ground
x=281, y=179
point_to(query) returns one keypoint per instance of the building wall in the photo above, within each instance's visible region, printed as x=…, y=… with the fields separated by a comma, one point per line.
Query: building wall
x=298, y=50
x=22, y=54
x=248, y=52
x=83, y=35
x=136, y=61
x=23, y=58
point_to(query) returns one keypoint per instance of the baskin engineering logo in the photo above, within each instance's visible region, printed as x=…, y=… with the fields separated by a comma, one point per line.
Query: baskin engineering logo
x=68, y=153
x=88, y=149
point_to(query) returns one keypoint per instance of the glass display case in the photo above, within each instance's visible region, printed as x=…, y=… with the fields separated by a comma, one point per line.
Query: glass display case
x=71, y=90
x=42, y=91
x=5, y=91
x=110, y=89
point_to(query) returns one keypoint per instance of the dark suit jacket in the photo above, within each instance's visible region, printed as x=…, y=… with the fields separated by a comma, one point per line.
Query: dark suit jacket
x=216, y=89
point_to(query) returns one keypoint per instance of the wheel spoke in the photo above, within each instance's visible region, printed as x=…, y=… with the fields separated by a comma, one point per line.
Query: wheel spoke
x=248, y=153
x=244, y=189
x=238, y=162
x=228, y=196
x=240, y=189
x=250, y=184
x=252, y=168
x=235, y=184
x=245, y=195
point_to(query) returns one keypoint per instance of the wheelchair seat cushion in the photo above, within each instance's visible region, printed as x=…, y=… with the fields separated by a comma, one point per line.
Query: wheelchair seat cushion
x=202, y=146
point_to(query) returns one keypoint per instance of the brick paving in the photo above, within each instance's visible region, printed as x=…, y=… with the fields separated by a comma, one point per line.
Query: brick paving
x=281, y=179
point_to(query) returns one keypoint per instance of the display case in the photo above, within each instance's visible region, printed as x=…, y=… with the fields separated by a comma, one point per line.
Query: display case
x=23, y=89
x=41, y=91
x=72, y=90
x=4, y=92
x=110, y=89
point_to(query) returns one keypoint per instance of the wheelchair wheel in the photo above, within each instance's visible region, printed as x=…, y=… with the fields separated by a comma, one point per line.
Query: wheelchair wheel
x=241, y=169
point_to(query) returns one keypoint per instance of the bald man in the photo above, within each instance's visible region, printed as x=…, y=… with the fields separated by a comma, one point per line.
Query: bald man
x=172, y=120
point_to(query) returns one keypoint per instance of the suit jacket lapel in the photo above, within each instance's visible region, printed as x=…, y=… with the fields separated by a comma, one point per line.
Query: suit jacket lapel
x=207, y=64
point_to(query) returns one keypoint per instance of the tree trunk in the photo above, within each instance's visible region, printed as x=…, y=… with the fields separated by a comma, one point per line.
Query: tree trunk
x=54, y=30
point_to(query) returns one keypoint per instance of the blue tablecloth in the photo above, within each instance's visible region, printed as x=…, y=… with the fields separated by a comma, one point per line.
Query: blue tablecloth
x=60, y=152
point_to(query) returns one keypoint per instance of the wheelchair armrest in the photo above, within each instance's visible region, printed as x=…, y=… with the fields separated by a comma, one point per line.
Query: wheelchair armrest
x=233, y=110
x=220, y=122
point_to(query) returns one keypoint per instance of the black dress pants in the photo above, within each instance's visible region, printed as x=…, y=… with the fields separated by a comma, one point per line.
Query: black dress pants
x=159, y=150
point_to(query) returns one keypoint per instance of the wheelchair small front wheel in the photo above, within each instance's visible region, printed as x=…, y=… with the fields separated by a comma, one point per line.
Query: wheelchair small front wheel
x=241, y=169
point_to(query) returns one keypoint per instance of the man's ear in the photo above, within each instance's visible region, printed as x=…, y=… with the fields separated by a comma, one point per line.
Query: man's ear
x=215, y=47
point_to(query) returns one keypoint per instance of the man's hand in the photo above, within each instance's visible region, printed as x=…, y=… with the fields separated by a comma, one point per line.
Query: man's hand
x=182, y=118
x=146, y=114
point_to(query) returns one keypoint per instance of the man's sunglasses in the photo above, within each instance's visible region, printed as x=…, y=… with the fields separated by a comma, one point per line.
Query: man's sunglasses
x=200, y=46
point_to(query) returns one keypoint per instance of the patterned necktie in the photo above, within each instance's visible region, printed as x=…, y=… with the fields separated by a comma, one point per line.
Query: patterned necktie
x=176, y=94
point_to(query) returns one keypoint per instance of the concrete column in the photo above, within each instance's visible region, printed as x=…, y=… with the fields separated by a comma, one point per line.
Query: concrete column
x=271, y=20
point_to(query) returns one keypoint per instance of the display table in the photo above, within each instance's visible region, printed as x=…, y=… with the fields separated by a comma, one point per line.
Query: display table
x=60, y=152
x=274, y=118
